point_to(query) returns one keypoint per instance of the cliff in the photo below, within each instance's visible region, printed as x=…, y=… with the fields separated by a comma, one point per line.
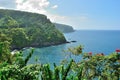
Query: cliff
x=25, y=29
x=64, y=28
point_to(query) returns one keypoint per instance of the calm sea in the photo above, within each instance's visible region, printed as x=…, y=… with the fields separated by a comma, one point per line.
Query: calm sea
x=96, y=41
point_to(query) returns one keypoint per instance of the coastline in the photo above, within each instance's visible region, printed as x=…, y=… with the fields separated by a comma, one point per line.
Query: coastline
x=42, y=46
x=39, y=46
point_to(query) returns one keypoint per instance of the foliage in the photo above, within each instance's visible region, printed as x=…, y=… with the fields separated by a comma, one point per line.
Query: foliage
x=4, y=48
x=14, y=72
x=19, y=37
x=8, y=22
x=28, y=29
x=4, y=52
x=91, y=67
x=13, y=66
x=18, y=70
x=97, y=66
x=76, y=50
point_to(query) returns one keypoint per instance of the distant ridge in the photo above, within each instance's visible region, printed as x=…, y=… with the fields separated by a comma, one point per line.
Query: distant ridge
x=64, y=28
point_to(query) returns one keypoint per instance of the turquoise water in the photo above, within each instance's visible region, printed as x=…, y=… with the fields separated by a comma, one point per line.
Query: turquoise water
x=96, y=41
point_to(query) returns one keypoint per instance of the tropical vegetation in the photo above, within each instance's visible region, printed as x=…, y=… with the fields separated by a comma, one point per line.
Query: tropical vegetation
x=91, y=67
x=26, y=29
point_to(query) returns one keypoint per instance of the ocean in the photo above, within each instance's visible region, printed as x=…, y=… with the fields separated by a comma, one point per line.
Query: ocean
x=95, y=41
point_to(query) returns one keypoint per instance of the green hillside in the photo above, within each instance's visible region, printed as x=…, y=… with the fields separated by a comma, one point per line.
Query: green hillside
x=64, y=28
x=25, y=29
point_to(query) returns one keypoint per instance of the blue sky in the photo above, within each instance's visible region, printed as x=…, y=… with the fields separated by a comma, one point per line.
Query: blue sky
x=81, y=14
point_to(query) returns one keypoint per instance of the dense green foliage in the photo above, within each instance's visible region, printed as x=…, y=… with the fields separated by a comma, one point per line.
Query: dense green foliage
x=91, y=67
x=26, y=29
x=13, y=66
x=64, y=28
x=97, y=66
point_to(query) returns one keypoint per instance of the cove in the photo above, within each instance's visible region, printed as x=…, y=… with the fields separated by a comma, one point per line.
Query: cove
x=96, y=41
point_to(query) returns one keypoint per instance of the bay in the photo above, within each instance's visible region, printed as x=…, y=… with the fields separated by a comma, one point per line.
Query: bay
x=96, y=41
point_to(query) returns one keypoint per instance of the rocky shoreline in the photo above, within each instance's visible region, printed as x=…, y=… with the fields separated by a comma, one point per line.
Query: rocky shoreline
x=42, y=46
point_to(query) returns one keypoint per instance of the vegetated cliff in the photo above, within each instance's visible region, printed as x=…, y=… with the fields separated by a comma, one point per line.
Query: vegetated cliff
x=25, y=29
x=64, y=28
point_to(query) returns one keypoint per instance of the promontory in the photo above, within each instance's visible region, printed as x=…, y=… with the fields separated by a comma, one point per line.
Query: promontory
x=24, y=29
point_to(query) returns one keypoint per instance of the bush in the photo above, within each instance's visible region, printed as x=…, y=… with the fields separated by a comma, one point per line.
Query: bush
x=91, y=67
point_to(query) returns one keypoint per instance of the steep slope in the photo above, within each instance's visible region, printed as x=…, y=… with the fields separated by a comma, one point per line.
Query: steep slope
x=29, y=29
x=64, y=28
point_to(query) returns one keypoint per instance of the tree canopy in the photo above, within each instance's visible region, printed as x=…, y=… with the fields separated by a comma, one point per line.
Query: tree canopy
x=28, y=29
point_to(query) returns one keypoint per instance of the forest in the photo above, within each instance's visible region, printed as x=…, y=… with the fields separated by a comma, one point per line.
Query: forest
x=24, y=29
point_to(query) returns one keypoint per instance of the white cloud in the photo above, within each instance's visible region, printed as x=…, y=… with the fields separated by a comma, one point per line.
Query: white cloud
x=54, y=7
x=2, y=7
x=55, y=17
x=38, y=6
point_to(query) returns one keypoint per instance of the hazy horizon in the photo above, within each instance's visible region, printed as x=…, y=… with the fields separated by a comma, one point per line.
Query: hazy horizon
x=81, y=14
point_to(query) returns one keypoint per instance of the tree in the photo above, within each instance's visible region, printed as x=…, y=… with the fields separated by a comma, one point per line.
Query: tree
x=19, y=38
x=8, y=22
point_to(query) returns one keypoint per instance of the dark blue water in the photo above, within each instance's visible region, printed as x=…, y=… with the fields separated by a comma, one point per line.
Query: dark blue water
x=96, y=41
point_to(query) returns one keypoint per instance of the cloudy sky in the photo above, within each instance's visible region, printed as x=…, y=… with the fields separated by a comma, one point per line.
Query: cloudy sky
x=81, y=14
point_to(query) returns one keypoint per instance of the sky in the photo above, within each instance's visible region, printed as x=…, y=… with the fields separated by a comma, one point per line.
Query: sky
x=81, y=14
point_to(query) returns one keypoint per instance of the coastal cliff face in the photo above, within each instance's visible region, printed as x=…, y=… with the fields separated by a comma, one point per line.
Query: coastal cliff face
x=25, y=29
x=64, y=28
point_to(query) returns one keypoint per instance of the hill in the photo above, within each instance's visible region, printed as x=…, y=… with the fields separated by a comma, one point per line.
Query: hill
x=25, y=29
x=64, y=28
